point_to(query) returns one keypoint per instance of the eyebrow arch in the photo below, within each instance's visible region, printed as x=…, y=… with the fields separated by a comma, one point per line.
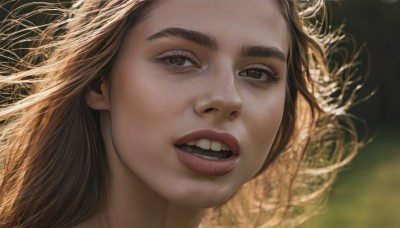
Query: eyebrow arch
x=190, y=35
x=263, y=51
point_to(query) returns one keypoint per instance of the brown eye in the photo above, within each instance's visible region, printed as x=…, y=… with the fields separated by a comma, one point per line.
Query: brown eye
x=179, y=59
x=258, y=72
x=253, y=73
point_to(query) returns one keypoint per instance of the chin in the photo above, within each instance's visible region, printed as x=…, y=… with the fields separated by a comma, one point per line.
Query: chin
x=201, y=199
x=200, y=203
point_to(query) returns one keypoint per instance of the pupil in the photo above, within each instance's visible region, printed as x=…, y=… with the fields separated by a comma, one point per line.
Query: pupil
x=254, y=73
x=179, y=61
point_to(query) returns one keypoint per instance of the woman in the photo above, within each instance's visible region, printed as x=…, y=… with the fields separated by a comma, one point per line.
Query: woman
x=145, y=113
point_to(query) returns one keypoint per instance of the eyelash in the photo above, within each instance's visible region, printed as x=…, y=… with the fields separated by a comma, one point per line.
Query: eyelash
x=184, y=56
x=267, y=74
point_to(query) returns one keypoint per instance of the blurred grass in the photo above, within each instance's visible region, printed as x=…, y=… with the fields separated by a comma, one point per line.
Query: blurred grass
x=367, y=193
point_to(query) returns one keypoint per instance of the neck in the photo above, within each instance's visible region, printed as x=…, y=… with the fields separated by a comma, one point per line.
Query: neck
x=131, y=203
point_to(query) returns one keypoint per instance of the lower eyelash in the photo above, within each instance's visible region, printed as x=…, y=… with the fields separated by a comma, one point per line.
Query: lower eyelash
x=272, y=75
x=176, y=67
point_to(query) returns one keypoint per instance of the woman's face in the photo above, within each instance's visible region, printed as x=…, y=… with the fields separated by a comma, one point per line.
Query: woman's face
x=196, y=97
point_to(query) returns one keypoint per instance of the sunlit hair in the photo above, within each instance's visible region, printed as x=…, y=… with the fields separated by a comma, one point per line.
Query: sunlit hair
x=53, y=165
x=317, y=136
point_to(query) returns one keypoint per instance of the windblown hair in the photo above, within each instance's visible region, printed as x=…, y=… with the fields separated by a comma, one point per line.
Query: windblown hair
x=53, y=165
x=317, y=136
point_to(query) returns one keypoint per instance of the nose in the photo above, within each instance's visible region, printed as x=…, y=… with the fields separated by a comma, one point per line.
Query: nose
x=221, y=98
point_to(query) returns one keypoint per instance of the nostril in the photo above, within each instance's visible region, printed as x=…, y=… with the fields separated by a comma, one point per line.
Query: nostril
x=210, y=110
x=233, y=114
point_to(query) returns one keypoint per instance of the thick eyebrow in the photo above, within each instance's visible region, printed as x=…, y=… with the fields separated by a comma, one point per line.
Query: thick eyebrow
x=192, y=36
x=263, y=51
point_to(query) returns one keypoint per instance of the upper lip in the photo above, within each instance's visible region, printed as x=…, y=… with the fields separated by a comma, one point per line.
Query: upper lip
x=223, y=137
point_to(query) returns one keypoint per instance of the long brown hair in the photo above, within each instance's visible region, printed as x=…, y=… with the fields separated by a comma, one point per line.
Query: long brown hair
x=317, y=136
x=53, y=165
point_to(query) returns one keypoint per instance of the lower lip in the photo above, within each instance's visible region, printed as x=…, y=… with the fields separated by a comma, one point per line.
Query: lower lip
x=205, y=166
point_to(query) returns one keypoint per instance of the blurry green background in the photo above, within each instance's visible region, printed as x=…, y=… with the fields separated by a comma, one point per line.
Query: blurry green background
x=367, y=193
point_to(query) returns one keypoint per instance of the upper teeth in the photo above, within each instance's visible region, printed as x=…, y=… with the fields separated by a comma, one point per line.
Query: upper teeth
x=208, y=144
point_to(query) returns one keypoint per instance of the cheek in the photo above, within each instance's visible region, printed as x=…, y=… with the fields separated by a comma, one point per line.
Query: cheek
x=141, y=118
x=145, y=109
x=262, y=122
x=139, y=110
x=142, y=99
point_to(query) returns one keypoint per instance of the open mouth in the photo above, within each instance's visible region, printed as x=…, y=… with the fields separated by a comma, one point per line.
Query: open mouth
x=207, y=149
x=208, y=152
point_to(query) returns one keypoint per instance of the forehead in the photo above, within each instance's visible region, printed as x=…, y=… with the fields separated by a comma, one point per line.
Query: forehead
x=256, y=22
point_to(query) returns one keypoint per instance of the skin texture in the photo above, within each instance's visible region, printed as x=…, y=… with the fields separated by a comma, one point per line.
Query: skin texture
x=151, y=99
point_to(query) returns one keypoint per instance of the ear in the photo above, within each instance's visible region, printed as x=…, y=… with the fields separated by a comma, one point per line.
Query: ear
x=97, y=96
